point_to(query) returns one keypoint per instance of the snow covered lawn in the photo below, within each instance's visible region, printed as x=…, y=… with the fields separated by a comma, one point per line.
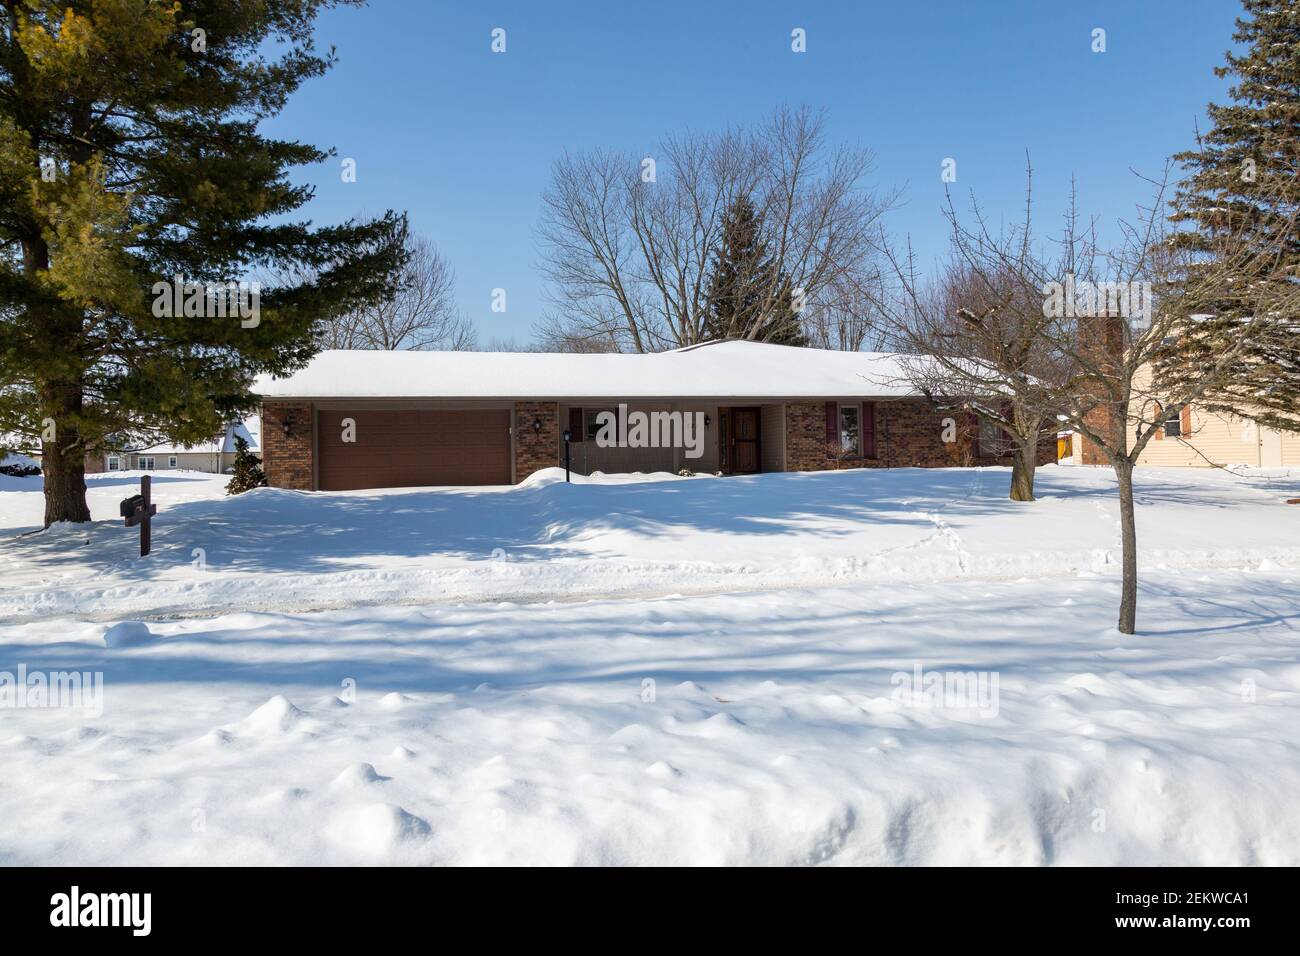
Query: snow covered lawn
x=456, y=707
x=651, y=535
x=771, y=728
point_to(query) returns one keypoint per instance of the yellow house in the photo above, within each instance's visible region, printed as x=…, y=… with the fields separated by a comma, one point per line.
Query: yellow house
x=1197, y=438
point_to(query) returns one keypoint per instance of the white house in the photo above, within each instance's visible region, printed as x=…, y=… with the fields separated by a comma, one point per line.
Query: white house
x=216, y=456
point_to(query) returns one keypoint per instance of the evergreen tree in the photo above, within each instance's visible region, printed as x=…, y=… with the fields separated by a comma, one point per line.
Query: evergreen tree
x=130, y=154
x=248, y=470
x=748, y=297
x=1245, y=180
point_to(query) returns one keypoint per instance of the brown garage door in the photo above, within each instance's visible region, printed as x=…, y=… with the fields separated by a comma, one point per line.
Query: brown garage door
x=402, y=449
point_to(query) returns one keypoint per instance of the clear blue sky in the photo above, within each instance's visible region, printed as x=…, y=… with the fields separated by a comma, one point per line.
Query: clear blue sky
x=463, y=139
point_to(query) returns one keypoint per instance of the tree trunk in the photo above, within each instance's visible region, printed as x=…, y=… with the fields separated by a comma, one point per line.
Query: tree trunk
x=1128, y=535
x=64, y=470
x=1023, y=464
x=63, y=457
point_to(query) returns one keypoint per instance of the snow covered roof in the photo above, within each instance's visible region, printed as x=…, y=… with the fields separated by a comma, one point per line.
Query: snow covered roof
x=249, y=428
x=17, y=460
x=730, y=369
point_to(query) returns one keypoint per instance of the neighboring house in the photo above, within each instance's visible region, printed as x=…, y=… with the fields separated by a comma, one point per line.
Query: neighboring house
x=216, y=456
x=14, y=463
x=374, y=419
x=1194, y=437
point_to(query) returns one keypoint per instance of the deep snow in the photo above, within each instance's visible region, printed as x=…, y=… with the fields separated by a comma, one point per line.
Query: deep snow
x=770, y=725
x=646, y=535
x=775, y=731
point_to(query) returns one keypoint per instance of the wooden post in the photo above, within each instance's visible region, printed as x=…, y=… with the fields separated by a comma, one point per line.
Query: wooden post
x=138, y=510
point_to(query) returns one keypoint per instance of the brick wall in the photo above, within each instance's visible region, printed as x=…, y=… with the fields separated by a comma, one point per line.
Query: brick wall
x=1101, y=338
x=534, y=449
x=909, y=434
x=287, y=461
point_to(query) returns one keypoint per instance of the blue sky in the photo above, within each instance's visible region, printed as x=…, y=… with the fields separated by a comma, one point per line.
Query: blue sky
x=463, y=139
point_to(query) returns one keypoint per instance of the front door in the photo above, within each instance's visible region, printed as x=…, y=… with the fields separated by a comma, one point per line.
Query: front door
x=741, y=438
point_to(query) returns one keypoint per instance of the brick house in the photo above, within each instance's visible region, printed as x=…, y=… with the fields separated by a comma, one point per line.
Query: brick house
x=353, y=420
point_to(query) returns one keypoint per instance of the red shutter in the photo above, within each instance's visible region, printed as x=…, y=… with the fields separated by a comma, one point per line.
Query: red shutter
x=974, y=435
x=832, y=429
x=1160, y=417
x=1185, y=417
x=869, y=429
x=576, y=430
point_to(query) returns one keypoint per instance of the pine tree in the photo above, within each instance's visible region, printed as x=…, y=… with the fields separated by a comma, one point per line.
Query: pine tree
x=248, y=470
x=1245, y=179
x=748, y=297
x=130, y=154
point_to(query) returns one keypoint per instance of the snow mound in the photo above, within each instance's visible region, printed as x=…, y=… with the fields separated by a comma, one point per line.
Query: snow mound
x=359, y=774
x=276, y=716
x=379, y=828
x=127, y=634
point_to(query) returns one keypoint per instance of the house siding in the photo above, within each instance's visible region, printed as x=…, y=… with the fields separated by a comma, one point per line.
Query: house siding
x=587, y=456
x=1213, y=439
x=535, y=448
x=772, y=427
x=909, y=434
x=288, y=461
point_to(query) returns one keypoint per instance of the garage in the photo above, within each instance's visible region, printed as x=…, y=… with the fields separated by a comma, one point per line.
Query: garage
x=412, y=447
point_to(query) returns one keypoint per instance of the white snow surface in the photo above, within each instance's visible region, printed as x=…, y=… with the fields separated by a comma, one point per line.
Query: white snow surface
x=635, y=535
x=558, y=704
x=731, y=369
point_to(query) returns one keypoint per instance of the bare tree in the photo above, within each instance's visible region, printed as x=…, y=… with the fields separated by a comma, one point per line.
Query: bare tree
x=627, y=241
x=1114, y=393
x=422, y=314
x=976, y=336
x=846, y=315
x=1094, y=336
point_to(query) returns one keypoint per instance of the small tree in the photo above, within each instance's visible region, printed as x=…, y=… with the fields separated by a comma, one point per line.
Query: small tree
x=1113, y=332
x=975, y=337
x=248, y=470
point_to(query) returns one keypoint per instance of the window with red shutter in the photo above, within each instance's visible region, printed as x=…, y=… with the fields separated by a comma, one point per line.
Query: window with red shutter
x=869, y=429
x=577, y=429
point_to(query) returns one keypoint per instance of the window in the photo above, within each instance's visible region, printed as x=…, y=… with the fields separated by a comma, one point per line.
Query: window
x=1174, y=422
x=990, y=438
x=114, y=463
x=592, y=427
x=145, y=462
x=851, y=431
x=171, y=461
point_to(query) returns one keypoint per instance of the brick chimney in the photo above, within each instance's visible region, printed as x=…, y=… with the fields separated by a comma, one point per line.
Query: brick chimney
x=1101, y=338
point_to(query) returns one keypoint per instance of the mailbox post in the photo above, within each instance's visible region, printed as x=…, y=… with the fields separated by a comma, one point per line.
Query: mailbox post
x=137, y=510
